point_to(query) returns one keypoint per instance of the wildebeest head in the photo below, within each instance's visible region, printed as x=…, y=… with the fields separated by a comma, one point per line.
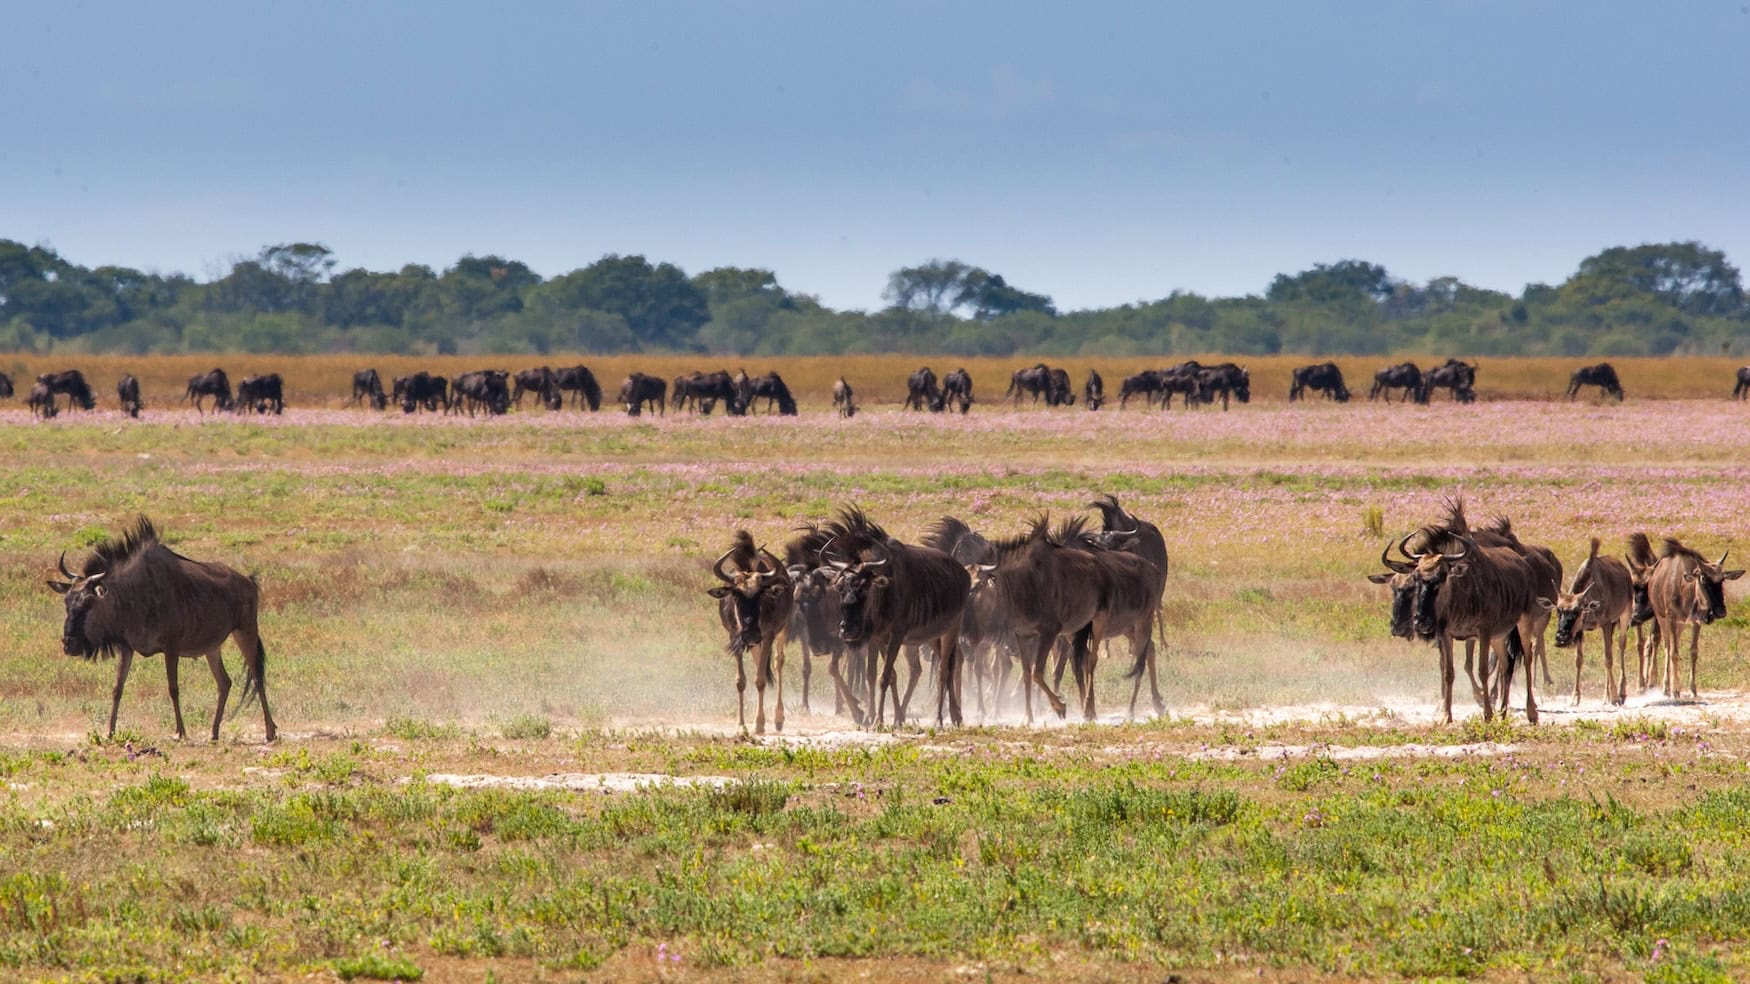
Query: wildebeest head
x=1432, y=570
x=759, y=591
x=859, y=587
x=90, y=606
x=1709, y=583
x=1570, y=610
x=1401, y=577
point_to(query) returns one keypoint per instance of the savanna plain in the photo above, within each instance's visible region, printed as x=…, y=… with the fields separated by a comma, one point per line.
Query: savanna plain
x=508, y=743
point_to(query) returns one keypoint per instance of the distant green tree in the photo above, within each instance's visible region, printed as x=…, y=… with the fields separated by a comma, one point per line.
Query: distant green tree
x=932, y=287
x=1345, y=281
x=1687, y=276
x=660, y=306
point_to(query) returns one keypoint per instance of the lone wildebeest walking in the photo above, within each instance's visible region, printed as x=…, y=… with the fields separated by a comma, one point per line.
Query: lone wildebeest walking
x=1602, y=375
x=1406, y=376
x=367, y=384
x=214, y=384
x=1598, y=599
x=136, y=595
x=1686, y=589
x=127, y=391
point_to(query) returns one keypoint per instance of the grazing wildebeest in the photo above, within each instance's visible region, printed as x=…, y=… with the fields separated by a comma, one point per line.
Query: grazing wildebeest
x=486, y=390
x=1094, y=391
x=639, y=389
x=1740, y=391
x=1460, y=378
x=366, y=384
x=214, y=384
x=1602, y=375
x=1061, y=395
x=704, y=389
x=136, y=595
x=542, y=382
x=127, y=392
x=843, y=399
x=582, y=385
x=260, y=394
x=957, y=390
x=1685, y=588
x=1640, y=561
x=754, y=604
x=1181, y=379
x=1406, y=376
x=1125, y=532
x=1036, y=381
x=921, y=392
x=421, y=390
x=1324, y=378
x=1598, y=599
x=771, y=387
x=1146, y=382
x=894, y=595
x=72, y=384
x=5, y=386
x=41, y=401
x=1225, y=380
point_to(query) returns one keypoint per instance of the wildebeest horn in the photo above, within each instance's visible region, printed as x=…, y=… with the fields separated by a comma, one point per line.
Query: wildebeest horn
x=1396, y=566
x=1461, y=553
x=69, y=575
x=777, y=565
x=884, y=556
x=717, y=568
x=93, y=579
x=1129, y=532
x=1722, y=561
x=1404, y=546
x=987, y=568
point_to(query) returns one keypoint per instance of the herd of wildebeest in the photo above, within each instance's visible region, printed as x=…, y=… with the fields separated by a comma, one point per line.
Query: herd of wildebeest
x=984, y=610
x=496, y=391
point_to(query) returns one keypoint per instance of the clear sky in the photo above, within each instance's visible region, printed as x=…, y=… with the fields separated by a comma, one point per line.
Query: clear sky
x=1097, y=152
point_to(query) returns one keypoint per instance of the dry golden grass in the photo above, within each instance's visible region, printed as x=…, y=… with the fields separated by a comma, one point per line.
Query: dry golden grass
x=326, y=380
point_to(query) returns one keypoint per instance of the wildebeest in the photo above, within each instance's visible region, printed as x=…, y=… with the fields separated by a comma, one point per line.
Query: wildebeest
x=957, y=390
x=1740, y=391
x=921, y=392
x=542, y=382
x=260, y=394
x=843, y=400
x=1406, y=376
x=1122, y=531
x=486, y=390
x=1041, y=381
x=41, y=401
x=639, y=389
x=1460, y=378
x=704, y=389
x=1094, y=391
x=214, y=384
x=1181, y=379
x=582, y=385
x=1061, y=395
x=136, y=595
x=1146, y=382
x=893, y=595
x=814, y=620
x=127, y=393
x=366, y=384
x=5, y=386
x=1640, y=561
x=1599, y=598
x=754, y=604
x=71, y=384
x=1602, y=375
x=1686, y=589
x=771, y=387
x=421, y=390
x=1224, y=380
x=1324, y=378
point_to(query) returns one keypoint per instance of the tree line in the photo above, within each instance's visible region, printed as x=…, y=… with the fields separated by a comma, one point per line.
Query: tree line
x=1655, y=299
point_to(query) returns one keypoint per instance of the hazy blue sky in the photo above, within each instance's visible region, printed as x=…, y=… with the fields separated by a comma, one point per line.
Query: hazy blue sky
x=1099, y=153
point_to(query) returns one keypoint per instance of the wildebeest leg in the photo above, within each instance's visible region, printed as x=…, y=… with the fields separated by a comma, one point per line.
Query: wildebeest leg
x=914, y=663
x=1476, y=688
x=775, y=656
x=762, y=672
x=843, y=695
x=948, y=677
x=124, y=660
x=1037, y=669
x=170, y=668
x=1694, y=655
x=1580, y=660
x=1668, y=634
x=1515, y=639
x=807, y=673
x=217, y=664
x=1087, y=656
x=741, y=689
x=1446, y=674
x=1613, y=694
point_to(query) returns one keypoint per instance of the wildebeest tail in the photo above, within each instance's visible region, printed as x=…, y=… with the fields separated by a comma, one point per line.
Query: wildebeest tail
x=1515, y=652
x=254, y=675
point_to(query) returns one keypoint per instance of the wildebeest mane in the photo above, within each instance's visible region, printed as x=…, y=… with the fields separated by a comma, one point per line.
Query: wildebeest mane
x=1672, y=548
x=111, y=554
x=853, y=532
x=1009, y=546
x=743, y=556
x=1640, y=550
x=954, y=538
x=805, y=548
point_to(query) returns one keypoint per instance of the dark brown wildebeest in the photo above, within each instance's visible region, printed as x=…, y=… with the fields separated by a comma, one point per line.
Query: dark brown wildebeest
x=366, y=384
x=1038, y=381
x=5, y=386
x=704, y=389
x=1125, y=532
x=214, y=384
x=1094, y=391
x=1129, y=603
x=814, y=620
x=1460, y=378
x=1406, y=376
x=771, y=387
x=41, y=401
x=1599, y=598
x=843, y=400
x=582, y=385
x=754, y=604
x=921, y=392
x=1640, y=561
x=894, y=595
x=127, y=392
x=1324, y=378
x=1224, y=380
x=1686, y=588
x=421, y=390
x=639, y=389
x=136, y=595
x=985, y=645
x=1466, y=590
x=487, y=390
x=1740, y=391
x=71, y=384
x=957, y=390
x=1602, y=375
x=260, y=394
x=1548, y=569
x=1060, y=395
x=542, y=382
x=1181, y=379
x=1146, y=382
